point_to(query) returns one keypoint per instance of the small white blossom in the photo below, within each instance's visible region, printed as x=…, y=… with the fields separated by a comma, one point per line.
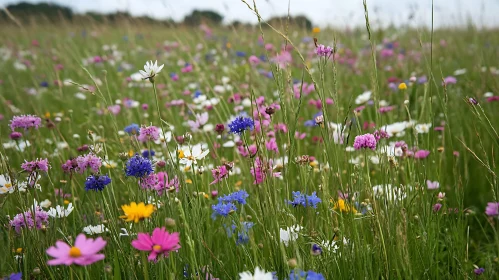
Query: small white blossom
x=150, y=70
x=60, y=211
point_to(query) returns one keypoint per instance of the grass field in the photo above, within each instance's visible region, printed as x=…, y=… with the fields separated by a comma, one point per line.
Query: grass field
x=377, y=160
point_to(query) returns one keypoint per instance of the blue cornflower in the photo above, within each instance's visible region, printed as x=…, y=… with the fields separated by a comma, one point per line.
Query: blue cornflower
x=138, y=166
x=97, y=182
x=239, y=196
x=316, y=250
x=132, y=129
x=310, y=123
x=298, y=199
x=240, y=54
x=304, y=200
x=309, y=275
x=313, y=200
x=243, y=235
x=44, y=84
x=14, y=276
x=197, y=93
x=222, y=209
x=148, y=153
x=240, y=124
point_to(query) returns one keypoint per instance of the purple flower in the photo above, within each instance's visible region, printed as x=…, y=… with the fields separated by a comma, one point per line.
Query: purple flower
x=322, y=50
x=492, y=209
x=25, y=220
x=449, y=80
x=437, y=207
x=479, y=271
x=421, y=154
x=26, y=122
x=15, y=135
x=148, y=133
x=38, y=164
x=380, y=134
x=365, y=141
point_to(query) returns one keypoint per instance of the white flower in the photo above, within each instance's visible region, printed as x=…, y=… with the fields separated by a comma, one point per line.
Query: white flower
x=488, y=94
x=389, y=192
x=80, y=96
x=246, y=102
x=329, y=245
x=259, y=275
x=289, y=234
x=150, y=70
x=219, y=89
x=60, y=212
x=423, y=127
x=98, y=229
x=459, y=72
x=5, y=185
x=46, y=203
x=397, y=129
x=363, y=98
x=190, y=156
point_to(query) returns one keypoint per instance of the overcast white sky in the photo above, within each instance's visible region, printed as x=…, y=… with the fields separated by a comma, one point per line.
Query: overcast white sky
x=338, y=13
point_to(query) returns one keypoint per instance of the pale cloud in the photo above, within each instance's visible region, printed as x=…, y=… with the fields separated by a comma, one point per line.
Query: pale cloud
x=338, y=13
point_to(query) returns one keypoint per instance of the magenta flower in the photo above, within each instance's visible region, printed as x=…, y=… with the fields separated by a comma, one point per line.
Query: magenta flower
x=26, y=122
x=432, y=185
x=148, y=133
x=160, y=242
x=492, y=209
x=365, y=141
x=271, y=145
x=114, y=109
x=253, y=60
x=492, y=98
x=421, y=154
x=219, y=173
x=84, y=252
x=38, y=164
x=437, y=207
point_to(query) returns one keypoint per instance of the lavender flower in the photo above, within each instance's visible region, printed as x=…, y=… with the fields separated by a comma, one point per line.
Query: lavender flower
x=25, y=220
x=365, y=141
x=38, y=164
x=88, y=161
x=492, y=209
x=25, y=122
x=322, y=50
x=150, y=133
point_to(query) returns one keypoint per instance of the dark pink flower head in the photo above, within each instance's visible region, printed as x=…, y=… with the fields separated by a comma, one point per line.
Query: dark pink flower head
x=148, y=133
x=365, y=141
x=271, y=145
x=437, y=207
x=492, y=98
x=164, y=183
x=492, y=209
x=38, y=164
x=25, y=220
x=380, y=134
x=421, y=154
x=25, y=122
x=322, y=50
x=84, y=252
x=219, y=173
x=161, y=242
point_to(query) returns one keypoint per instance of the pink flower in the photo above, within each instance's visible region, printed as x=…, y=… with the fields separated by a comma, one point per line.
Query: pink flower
x=114, y=109
x=493, y=98
x=87, y=161
x=253, y=60
x=219, y=173
x=26, y=122
x=39, y=164
x=365, y=141
x=201, y=120
x=492, y=209
x=84, y=252
x=160, y=242
x=432, y=185
x=421, y=154
x=271, y=145
x=148, y=133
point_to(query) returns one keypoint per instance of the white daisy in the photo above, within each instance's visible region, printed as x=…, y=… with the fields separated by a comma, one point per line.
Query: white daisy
x=60, y=211
x=150, y=70
x=259, y=275
x=190, y=155
x=98, y=229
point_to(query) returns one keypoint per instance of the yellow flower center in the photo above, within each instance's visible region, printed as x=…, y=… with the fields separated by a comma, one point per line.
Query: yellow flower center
x=19, y=250
x=181, y=154
x=74, y=252
x=8, y=185
x=190, y=158
x=156, y=248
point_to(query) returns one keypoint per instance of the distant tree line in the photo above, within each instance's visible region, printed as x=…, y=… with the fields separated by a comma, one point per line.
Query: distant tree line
x=54, y=13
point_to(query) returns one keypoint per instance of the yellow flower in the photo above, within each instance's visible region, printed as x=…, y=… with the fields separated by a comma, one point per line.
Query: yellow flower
x=239, y=183
x=131, y=153
x=137, y=212
x=66, y=202
x=342, y=206
x=181, y=154
x=188, y=181
x=228, y=45
x=19, y=250
x=402, y=86
x=47, y=115
x=316, y=30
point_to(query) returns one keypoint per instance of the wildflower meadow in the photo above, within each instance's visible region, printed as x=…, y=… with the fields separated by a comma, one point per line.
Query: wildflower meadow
x=135, y=151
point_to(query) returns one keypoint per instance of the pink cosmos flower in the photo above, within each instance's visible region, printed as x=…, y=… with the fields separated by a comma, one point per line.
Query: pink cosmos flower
x=160, y=242
x=84, y=252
